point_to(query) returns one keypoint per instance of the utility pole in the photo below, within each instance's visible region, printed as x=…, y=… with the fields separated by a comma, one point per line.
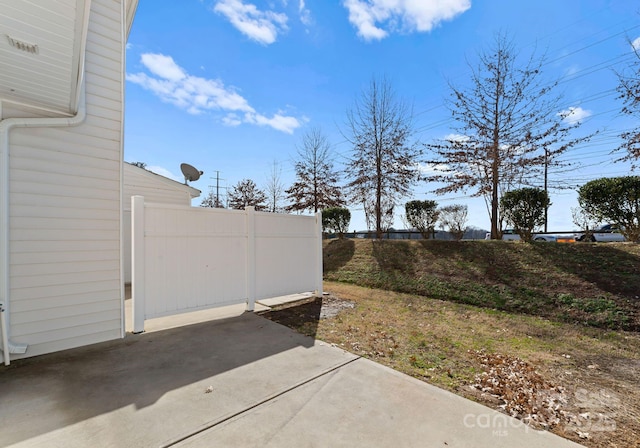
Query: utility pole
x=218, y=187
x=217, y=179
x=546, y=169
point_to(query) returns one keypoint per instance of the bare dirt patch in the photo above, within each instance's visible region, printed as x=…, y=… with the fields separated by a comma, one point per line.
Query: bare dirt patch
x=304, y=315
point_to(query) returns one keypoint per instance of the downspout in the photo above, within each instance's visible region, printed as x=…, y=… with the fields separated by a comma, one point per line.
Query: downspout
x=6, y=126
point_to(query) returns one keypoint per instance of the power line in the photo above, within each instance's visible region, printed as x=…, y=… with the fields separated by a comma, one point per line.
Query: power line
x=581, y=73
x=548, y=62
x=626, y=31
x=217, y=186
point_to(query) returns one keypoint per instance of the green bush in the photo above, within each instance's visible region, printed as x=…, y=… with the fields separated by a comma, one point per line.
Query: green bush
x=336, y=220
x=615, y=200
x=422, y=215
x=524, y=209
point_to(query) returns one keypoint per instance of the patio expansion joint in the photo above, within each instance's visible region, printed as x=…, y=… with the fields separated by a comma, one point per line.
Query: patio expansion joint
x=214, y=423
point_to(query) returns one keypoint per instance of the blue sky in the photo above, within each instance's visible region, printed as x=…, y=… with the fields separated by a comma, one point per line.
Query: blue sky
x=232, y=85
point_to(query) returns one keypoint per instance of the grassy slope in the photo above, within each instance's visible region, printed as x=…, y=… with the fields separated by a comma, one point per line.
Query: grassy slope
x=592, y=284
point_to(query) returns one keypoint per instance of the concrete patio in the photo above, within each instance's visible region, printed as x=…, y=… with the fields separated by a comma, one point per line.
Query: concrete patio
x=240, y=380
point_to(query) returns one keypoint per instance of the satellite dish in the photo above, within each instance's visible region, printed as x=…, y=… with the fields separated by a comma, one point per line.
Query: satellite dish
x=191, y=174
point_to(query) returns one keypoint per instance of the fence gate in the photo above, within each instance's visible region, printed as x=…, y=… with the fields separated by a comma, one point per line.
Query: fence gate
x=192, y=258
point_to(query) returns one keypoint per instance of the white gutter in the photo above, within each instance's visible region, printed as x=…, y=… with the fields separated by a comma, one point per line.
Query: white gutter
x=125, y=25
x=5, y=127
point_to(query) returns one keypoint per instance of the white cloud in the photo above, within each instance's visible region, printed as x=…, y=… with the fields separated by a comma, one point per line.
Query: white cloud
x=636, y=44
x=278, y=121
x=261, y=26
x=457, y=138
x=305, y=14
x=164, y=172
x=363, y=17
x=231, y=120
x=197, y=95
x=574, y=115
x=374, y=19
x=430, y=169
x=163, y=66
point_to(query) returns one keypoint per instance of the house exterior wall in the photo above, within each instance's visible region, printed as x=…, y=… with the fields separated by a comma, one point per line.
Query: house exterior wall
x=154, y=188
x=65, y=211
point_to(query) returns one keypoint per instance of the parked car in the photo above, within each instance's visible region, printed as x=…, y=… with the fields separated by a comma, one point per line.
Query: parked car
x=605, y=233
x=511, y=235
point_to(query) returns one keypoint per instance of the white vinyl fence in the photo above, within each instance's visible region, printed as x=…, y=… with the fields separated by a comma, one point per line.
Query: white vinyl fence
x=191, y=258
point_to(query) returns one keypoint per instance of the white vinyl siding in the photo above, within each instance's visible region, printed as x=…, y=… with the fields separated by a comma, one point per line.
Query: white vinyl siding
x=154, y=188
x=43, y=80
x=65, y=211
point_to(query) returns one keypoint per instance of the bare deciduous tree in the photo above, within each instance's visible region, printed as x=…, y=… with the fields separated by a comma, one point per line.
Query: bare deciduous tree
x=586, y=222
x=211, y=201
x=371, y=208
x=629, y=90
x=453, y=218
x=275, y=189
x=245, y=193
x=510, y=126
x=384, y=163
x=316, y=186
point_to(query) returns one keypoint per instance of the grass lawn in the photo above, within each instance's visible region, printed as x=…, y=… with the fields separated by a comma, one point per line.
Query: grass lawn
x=538, y=331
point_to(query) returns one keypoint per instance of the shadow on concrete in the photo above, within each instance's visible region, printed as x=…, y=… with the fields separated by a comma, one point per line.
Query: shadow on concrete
x=42, y=394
